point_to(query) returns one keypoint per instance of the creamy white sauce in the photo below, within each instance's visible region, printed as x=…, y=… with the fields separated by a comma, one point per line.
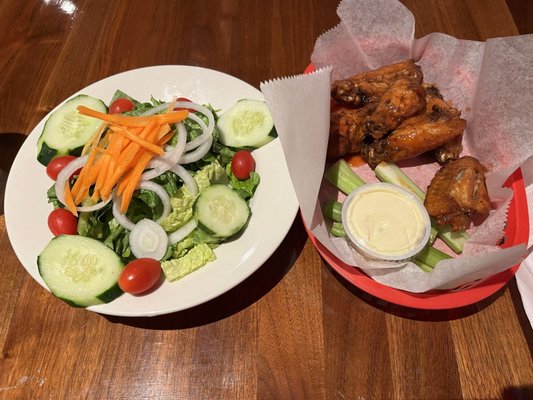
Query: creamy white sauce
x=385, y=220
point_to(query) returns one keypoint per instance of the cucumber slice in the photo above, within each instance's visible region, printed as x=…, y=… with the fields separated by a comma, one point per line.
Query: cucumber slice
x=80, y=271
x=66, y=131
x=248, y=124
x=221, y=211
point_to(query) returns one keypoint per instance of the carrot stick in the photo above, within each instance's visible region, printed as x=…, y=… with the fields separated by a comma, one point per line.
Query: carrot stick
x=164, y=139
x=101, y=172
x=136, y=159
x=125, y=120
x=163, y=130
x=69, y=202
x=123, y=161
x=144, y=143
x=94, y=139
x=133, y=181
x=81, y=177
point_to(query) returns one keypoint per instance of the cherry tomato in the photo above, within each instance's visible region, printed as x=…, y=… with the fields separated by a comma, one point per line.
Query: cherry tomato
x=55, y=166
x=120, y=105
x=140, y=275
x=62, y=222
x=242, y=164
x=181, y=108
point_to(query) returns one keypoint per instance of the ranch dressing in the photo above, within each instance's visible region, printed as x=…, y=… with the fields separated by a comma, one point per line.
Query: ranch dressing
x=384, y=221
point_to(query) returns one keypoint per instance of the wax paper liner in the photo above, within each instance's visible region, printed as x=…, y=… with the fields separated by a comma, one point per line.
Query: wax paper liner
x=491, y=82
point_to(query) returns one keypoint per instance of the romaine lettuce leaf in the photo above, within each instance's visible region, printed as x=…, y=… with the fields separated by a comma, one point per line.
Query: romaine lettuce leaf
x=183, y=200
x=246, y=188
x=195, y=258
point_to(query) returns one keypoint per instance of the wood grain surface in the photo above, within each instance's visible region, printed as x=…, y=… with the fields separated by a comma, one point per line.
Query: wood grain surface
x=294, y=329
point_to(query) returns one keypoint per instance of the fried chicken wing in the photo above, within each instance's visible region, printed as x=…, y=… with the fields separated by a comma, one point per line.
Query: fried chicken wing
x=403, y=99
x=414, y=136
x=457, y=192
x=347, y=130
x=450, y=150
x=440, y=123
x=434, y=99
x=368, y=87
x=357, y=94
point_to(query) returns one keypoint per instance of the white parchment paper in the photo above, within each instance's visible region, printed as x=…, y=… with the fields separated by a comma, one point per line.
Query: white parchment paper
x=491, y=82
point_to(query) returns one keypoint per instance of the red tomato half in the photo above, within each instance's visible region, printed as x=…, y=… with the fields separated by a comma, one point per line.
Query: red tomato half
x=242, y=164
x=55, y=166
x=62, y=222
x=120, y=105
x=140, y=275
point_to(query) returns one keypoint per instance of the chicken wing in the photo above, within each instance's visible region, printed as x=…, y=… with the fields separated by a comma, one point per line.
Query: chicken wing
x=347, y=130
x=403, y=99
x=368, y=87
x=357, y=94
x=450, y=150
x=437, y=125
x=457, y=192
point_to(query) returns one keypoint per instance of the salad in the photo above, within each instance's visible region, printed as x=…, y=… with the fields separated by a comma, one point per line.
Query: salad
x=144, y=191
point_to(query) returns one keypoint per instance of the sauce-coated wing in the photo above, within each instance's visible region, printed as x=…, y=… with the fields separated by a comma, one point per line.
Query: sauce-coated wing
x=449, y=151
x=440, y=123
x=347, y=130
x=457, y=192
x=414, y=136
x=368, y=87
x=403, y=99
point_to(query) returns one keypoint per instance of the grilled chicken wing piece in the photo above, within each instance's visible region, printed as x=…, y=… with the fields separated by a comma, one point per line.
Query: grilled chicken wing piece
x=457, y=192
x=403, y=99
x=438, y=124
x=368, y=87
x=347, y=130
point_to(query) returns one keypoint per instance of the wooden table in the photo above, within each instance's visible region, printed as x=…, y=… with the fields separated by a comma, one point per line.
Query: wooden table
x=294, y=329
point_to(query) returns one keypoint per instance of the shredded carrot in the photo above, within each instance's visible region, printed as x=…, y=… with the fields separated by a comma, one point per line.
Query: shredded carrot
x=165, y=138
x=133, y=180
x=81, y=177
x=69, y=202
x=172, y=104
x=100, y=173
x=118, y=152
x=94, y=139
x=126, y=120
x=142, y=142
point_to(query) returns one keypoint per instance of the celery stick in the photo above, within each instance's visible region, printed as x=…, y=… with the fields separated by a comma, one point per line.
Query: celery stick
x=333, y=210
x=389, y=172
x=337, y=229
x=423, y=266
x=343, y=177
x=455, y=240
x=430, y=256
